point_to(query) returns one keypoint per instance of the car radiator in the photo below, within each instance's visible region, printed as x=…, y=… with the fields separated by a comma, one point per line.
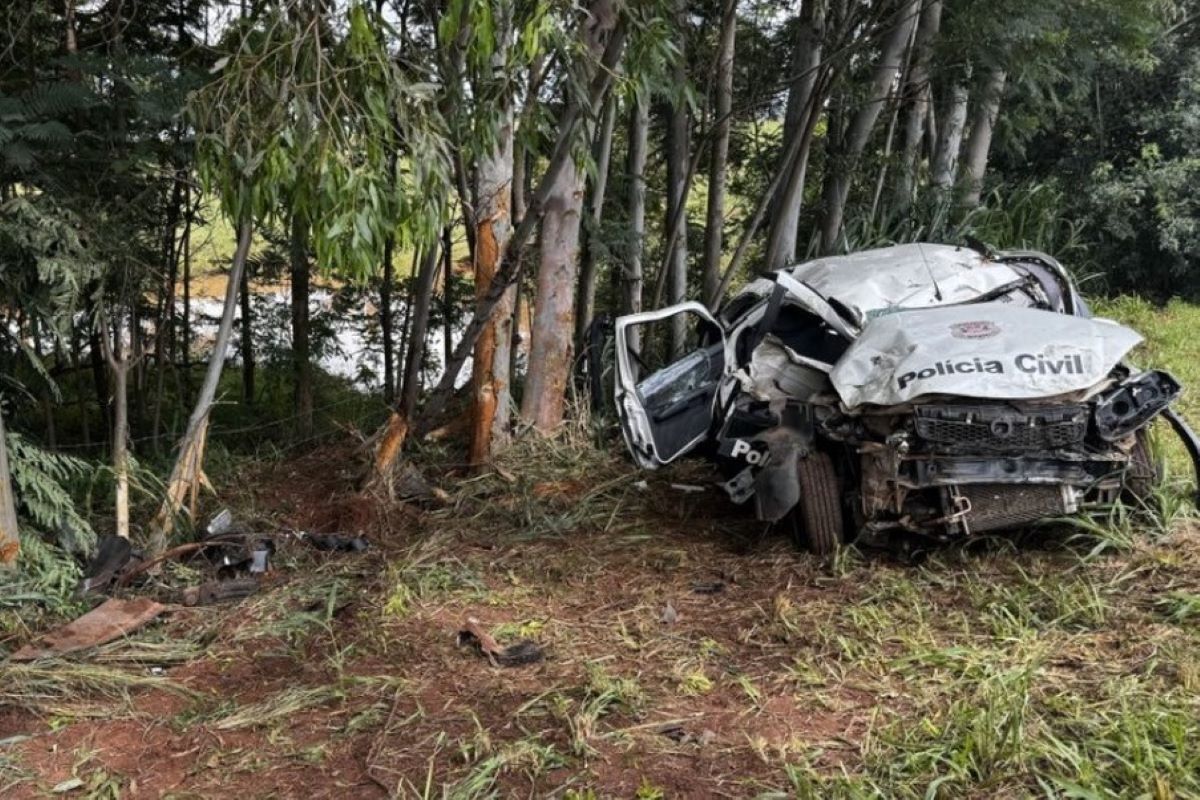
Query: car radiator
x=997, y=506
x=999, y=428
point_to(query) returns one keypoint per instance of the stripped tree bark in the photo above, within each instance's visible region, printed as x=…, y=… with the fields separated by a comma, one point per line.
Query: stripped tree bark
x=634, y=278
x=188, y=472
x=781, y=238
x=568, y=125
x=846, y=153
x=714, y=222
x=493, y=226
x=979, y=142
x=917, y=97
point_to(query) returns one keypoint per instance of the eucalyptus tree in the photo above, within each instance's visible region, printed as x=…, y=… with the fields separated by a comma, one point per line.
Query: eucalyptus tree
x=302, y=117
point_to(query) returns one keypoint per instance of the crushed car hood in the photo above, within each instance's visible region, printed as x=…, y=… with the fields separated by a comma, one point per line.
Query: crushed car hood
x=916, y=276
x=984, y=350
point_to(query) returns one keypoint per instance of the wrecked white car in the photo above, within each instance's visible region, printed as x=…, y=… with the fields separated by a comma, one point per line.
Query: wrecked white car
x=921, y=389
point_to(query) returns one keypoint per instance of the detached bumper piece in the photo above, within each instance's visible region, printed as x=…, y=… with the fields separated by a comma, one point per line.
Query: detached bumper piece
x=1121, y=411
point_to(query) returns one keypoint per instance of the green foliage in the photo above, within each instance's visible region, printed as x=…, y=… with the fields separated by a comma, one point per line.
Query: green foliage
x=302, y=122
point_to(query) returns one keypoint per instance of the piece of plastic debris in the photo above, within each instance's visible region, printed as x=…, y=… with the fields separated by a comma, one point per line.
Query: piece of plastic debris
x=669, y=615
x=113, y=555
x=687, y=488
x=523, y=652
x=708, y=587
x=641, y=485
x=219, y=524
x=110, y=620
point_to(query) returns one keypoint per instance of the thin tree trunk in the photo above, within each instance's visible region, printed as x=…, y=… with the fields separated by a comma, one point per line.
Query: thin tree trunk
x=118, y=363
x=785, y=224
x=918, y=98
x=678, y=148
x=188, y=471
x=553, y=306
x=639, y=127
x=186, y=344
x=386, y=285
x=301, y=350
x=601, y=155
x=714, y=223
x=846, y=154
x=949, y=140
x=493, y=226
x=448, y=296
x=10, y=538
x=415, y=358
x=80, y=396
x=979, y=143
x=247, y=341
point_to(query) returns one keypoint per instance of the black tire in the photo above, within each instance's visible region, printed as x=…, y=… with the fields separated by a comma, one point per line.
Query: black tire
x=1144, y=474
x=817, y=521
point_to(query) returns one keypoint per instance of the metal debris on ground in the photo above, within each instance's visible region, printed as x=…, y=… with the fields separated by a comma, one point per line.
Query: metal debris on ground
x=708, y=587
x=472, y=634
x=110, y=620
x=336, y=542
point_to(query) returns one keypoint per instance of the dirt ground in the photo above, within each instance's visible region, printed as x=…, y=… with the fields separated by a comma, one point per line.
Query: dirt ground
x=687, y=653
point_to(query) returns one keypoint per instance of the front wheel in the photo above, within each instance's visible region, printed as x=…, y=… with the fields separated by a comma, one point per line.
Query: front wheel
x=817, y=518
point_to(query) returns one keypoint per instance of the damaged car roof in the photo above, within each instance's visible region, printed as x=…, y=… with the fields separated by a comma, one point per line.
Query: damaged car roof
x=875, y=282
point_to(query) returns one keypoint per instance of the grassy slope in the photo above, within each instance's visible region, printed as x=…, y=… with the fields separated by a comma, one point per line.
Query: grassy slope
x=1062, y=665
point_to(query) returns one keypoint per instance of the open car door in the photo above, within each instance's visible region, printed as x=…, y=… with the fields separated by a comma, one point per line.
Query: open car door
x=666, y=401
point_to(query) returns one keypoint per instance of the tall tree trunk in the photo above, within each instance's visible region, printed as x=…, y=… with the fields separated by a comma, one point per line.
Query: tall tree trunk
x=601, y=155
x=678, y=149
x=949, y=140
x=846, y=154
x=639, y=127
x=302, y=389
x=493, y=226
x=785, y=224
x=979, y=143
x=186, y=333
x=247, y=340
x=918, y=99
x=10, y=539
x=553, y=314
x=386, y=285
x=448, y=295
x=188, y=471
x=118, y=363
x=714, y=223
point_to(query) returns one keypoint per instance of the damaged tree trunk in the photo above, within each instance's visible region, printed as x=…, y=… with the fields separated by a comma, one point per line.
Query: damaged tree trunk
x=493, y=226
x=188, y=471
x=10, y=540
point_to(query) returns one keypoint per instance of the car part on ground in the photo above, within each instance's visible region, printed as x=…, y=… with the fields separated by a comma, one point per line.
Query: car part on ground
x=916, y=390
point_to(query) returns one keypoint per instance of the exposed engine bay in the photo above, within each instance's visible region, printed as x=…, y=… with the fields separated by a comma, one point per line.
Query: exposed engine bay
x=916, y=390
